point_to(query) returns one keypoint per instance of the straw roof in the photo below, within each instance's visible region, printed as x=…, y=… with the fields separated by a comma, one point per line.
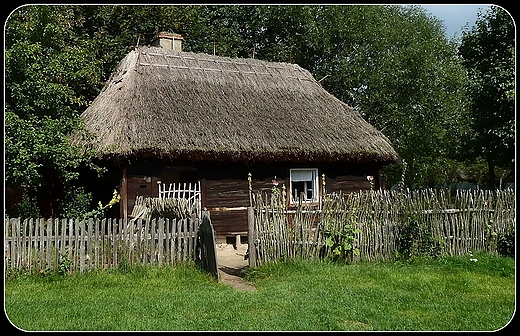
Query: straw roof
x=175, y=104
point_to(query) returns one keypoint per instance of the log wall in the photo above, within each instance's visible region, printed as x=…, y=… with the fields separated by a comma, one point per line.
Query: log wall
x=225, y=188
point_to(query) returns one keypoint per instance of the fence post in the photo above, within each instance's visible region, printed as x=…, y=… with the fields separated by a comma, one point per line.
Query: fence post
x=250, y=236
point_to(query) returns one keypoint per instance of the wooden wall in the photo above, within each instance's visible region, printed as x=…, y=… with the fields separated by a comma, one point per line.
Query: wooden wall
x=225, y=192
x=141, y=185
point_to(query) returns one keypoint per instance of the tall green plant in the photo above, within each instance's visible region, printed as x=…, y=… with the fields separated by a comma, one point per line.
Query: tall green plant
x=415, y=234
x=340, y=231
x=414, y=238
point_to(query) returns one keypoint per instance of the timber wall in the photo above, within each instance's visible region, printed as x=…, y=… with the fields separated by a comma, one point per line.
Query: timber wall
x=225, y=188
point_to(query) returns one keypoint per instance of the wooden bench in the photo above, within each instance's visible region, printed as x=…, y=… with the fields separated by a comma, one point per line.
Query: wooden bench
x=237, y=236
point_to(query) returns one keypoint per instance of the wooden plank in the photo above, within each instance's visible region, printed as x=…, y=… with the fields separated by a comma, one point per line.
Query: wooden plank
x=22, y=259
x=167, y=243
x=102, y=243
x=48, y=243
x=63, y=235
x=55, y=243
x=6, y=244
x=124, y=241
x=70, y=233
x=194, y=234
x=108, y=243
x=30, y=238
x=16, y=239
x=75, y=246
x=122, y=251
x=115, y=246
x=188, y=237
x=34, y=245
x=90, y=234
x=12, y=244
x=251, y=236
x=160, y=241
x=179, y=240
x=131, y=241
x=153, y=228
x=173, y=242
x=82, y=237
x=97, y=239
x=16, y=246
x=24, y=242
x=145, y=242
x=42, y=245
x=184, y=238
x=139, y=254
x=119, y=241
x=124, y=248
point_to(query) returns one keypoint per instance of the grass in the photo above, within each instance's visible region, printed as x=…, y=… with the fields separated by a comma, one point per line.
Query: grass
x=425, y=294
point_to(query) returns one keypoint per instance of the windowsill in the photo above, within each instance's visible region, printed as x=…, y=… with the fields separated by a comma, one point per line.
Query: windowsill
x=304, y=204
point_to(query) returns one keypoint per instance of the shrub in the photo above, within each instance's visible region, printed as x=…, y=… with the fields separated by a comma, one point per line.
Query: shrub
x=416, y=239
x=506, y=243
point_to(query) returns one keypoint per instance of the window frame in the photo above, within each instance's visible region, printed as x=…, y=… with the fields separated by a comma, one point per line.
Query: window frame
x=294, y=199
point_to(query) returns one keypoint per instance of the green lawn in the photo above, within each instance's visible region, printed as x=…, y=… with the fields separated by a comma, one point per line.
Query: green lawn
x=431, y=294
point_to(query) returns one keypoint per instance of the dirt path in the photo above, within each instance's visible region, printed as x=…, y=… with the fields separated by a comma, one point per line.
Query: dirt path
x=231, y=264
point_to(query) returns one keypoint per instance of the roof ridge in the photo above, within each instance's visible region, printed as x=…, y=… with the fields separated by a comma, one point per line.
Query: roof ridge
x=221, y=60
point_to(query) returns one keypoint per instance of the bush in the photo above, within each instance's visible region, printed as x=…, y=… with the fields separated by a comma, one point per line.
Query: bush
x=506, y=243
x=416, y=239
x=64, y=264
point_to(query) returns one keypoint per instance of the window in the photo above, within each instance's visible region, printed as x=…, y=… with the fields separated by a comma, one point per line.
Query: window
x=304, y=180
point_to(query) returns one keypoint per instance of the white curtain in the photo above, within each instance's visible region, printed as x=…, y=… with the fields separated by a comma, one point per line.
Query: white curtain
x=302, y=175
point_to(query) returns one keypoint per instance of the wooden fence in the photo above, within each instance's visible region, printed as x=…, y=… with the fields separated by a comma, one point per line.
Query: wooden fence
x=36, y=245
x=451, y=224
x=188, y=191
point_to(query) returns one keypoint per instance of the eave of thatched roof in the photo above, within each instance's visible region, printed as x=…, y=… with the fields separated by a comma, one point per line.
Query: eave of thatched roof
x=173, y=104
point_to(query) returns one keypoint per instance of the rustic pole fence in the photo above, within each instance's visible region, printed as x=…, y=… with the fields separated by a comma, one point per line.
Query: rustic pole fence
x=431, y=221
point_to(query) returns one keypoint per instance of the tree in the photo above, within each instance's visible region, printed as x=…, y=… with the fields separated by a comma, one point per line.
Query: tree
x=51, y=74
x=56, y=61
x=393, y=63
x=488, y=50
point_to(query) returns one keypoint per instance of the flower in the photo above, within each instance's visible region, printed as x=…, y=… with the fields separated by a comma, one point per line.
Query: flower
x=370, y=178
x=473, y=259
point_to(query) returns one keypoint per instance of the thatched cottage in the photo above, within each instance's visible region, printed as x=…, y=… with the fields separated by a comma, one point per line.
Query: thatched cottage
x=172, y=116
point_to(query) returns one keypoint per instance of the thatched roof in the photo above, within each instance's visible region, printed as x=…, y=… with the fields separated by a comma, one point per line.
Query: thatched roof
x=196, y=106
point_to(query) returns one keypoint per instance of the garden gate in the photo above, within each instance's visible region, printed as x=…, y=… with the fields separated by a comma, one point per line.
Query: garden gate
x=206, y=255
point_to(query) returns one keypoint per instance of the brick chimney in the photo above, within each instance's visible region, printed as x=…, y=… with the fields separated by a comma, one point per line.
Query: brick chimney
x=170, y=41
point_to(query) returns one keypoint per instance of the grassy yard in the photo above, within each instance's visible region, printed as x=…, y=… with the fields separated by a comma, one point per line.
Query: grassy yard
x=430, y=294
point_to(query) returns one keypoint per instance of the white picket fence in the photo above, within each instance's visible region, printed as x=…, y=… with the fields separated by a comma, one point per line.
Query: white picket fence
x=188, y=191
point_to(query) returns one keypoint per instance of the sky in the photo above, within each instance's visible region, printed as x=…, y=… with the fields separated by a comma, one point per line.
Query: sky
x=455, y=16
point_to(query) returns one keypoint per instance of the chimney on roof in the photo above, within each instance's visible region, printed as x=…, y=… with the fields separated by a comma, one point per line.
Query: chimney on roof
x=170, y=41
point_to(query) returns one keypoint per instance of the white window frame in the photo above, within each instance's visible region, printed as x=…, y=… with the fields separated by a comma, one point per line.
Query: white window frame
x=294, y=199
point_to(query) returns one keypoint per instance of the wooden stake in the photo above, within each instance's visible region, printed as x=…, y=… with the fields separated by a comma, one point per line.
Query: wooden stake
x=124, y=194
x=251, y=236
